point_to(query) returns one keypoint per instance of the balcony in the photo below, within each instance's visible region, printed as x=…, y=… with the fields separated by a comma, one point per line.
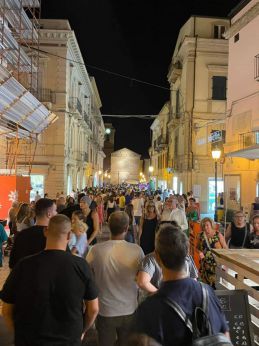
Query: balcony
x=86, y=118
x=175, y=71
x=75, y=105
x=248, y=139
x=248, y=146
x=162, y=141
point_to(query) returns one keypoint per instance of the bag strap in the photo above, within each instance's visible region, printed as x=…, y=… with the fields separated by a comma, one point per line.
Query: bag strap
x=207, y=241
x=245, y=236
x=193, y=327
x=205, y=313
x=176, y=307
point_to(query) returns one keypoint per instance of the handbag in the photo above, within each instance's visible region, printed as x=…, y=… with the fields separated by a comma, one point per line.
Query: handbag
x=200, y=327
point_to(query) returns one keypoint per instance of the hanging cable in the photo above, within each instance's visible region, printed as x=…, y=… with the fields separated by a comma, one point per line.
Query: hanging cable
x=100, y=69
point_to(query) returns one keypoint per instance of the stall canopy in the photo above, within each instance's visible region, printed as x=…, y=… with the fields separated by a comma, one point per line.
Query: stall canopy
x=251, y=153
x=21, y=114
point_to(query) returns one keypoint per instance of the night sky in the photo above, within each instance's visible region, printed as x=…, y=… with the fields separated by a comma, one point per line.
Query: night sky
x=134, y=38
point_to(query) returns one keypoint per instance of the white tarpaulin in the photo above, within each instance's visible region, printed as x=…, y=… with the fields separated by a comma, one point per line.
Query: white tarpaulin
x=20, y=111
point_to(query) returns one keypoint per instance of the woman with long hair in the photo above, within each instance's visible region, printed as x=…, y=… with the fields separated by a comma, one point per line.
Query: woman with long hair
x=88, y=208
x=24, y=217
x=147, y=229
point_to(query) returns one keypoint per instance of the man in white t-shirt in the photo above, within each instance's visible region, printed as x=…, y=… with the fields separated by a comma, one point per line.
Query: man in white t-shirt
x=138, y=205
x=115, y=265
x=178, y=215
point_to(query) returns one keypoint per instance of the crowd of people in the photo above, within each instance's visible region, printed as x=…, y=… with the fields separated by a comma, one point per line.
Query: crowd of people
x=121, y=283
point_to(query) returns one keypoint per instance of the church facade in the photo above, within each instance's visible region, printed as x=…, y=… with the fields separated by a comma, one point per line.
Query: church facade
x=125, y=166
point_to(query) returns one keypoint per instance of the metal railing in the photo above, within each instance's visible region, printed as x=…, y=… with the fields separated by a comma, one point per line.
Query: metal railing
x=86, y=118
x=75, y=105
x=248, y=139
x=162, y=141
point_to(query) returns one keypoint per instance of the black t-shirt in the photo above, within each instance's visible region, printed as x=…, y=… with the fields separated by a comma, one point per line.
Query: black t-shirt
x=158, y=320
x=47, y=290
x=27, y=242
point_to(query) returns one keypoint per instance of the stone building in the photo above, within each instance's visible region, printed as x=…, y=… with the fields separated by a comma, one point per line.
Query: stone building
x=162, y=174
x=69, y=153
x=241, y=168
x=198, y=83
x=125, y=166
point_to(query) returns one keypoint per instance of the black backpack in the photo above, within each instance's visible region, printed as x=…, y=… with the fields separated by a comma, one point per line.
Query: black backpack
x=200, y=327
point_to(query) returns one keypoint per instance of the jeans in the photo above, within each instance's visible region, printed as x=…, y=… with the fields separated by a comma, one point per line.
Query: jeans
x=112, y=329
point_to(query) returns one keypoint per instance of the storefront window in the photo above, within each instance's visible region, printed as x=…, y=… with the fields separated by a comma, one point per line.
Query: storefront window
x=220, y=189
x=37, y=184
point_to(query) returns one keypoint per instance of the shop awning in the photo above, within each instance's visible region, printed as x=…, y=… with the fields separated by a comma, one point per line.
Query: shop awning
x=21, y=114
x=251, y=153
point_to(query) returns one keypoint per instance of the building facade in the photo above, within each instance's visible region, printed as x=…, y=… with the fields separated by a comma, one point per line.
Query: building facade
x=198, y=83
x=241, y=168
x=69, y=154
x=162, y=173
x=125, y=167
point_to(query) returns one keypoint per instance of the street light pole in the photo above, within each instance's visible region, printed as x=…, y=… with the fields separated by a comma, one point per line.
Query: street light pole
x=216, y=192
x=216, y=153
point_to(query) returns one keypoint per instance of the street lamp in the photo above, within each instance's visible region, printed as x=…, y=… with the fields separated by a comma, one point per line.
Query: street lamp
x=151, y=169
x=216, y=153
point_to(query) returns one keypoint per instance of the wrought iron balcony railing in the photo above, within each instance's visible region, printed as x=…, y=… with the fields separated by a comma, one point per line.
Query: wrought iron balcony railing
x=248, y=139
x=75, y=105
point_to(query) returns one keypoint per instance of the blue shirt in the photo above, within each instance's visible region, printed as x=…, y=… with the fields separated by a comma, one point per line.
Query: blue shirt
x=158, y=320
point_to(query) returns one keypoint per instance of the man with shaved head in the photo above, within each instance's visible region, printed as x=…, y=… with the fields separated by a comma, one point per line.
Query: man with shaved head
x=115, y=264
x=45, y=293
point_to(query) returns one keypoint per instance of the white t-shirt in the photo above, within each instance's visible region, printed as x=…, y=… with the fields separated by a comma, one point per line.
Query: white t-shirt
x=138, y=205
x=179, y=216
x=115, y=265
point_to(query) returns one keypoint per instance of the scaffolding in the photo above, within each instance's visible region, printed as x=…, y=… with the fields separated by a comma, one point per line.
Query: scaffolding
x=22, y=116
x=19, y=31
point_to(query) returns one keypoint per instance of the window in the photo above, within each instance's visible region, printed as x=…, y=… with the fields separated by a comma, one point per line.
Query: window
x=236, y=38
x=219, y=30
x=219, y=87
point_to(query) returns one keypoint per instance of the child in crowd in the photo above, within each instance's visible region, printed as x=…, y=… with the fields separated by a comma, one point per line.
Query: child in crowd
x=78, y=242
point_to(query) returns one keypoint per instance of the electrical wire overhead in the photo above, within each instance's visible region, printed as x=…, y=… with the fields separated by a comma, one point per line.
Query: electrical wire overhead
x=132, y=79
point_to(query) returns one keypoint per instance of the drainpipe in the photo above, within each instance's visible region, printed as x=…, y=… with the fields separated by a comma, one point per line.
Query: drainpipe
x=190, y=151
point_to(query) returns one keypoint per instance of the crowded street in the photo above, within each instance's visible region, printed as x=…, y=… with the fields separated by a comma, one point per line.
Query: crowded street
x=129, y=173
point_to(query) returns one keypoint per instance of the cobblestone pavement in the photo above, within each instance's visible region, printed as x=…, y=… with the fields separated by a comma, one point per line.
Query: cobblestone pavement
x=6, y=338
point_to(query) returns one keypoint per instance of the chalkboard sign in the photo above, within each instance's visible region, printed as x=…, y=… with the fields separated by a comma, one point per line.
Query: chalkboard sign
x=235, y=306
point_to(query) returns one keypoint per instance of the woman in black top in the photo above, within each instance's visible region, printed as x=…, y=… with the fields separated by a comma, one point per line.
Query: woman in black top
x=88, y=208
x=237, y=233
x=148, y=226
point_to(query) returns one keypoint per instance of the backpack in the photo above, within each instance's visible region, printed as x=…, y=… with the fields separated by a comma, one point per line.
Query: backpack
x=200, y=328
